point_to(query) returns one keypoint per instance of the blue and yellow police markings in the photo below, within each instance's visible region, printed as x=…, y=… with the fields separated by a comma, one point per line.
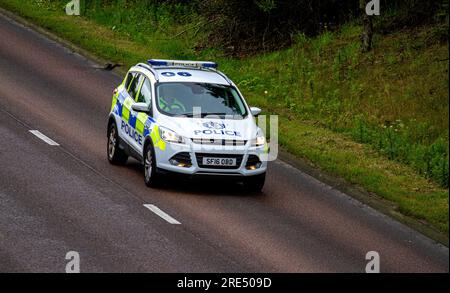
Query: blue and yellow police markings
x=131, y=132
x=117, y=104
x=158, y=142
x=126, y=108
x=141, y=119
x=136, y=125
x=132, y=123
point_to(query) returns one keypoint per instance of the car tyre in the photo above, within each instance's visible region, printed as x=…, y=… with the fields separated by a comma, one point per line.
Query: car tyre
x=151, y=176
x=255, y=183
x=116, y=156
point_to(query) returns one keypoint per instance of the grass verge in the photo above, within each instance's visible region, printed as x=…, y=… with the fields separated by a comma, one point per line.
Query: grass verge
x=350, y=115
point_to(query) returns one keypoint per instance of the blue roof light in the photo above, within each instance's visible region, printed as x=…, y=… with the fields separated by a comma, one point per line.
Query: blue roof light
x=210, y=65
x=154, y=62
x=181, y=63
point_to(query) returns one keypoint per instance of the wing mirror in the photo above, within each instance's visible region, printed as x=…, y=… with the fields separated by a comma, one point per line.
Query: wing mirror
x=255, y=111
x=140, y=107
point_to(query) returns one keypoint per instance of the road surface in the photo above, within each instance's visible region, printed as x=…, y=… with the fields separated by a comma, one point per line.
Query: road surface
x=60, y=194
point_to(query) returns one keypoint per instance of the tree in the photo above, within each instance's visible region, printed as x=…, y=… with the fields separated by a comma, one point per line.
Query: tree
x=367, y=34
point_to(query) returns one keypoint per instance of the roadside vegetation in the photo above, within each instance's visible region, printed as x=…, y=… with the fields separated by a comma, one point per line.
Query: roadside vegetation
x=378, y=119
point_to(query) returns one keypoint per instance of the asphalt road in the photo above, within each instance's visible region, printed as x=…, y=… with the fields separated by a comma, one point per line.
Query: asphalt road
x=67, y=197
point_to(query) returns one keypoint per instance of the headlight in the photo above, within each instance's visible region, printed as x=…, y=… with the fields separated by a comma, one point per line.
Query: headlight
x=260, y=139
x=170, y=136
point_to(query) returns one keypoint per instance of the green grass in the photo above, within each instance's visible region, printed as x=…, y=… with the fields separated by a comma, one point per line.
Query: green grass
x=379, y=120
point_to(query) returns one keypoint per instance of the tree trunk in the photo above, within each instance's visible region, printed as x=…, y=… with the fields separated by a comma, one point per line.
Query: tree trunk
x=367, y=34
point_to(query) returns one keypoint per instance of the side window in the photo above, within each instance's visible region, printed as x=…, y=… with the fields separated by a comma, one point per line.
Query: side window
x=134, y=85
x=145, y=95
x=129, y=79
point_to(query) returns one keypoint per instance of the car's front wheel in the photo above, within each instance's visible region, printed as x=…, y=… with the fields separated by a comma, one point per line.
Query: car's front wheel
x=255, y=183
x=151, y=176
x=116, y=155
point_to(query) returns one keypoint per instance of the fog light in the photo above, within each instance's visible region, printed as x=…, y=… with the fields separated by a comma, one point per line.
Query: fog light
x=182, y=160
x=254, y=167
x=253, y=163
x=179, y=164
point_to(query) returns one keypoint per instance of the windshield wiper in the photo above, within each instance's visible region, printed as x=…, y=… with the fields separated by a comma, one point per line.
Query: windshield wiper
x=187, y=115
x=213, y=114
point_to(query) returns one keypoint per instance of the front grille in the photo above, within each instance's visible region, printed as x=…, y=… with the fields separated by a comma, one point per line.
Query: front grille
x=200, y=156
x=224, y=142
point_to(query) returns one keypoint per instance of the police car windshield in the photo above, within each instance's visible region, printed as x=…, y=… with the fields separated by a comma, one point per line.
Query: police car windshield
x=204, y=99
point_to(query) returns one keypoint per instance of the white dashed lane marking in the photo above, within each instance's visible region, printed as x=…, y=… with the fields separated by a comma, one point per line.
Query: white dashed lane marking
x=48, y=140
x=162, y=214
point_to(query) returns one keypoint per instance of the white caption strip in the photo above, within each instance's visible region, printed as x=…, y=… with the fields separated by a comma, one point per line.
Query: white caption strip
x=44, y=138
x=162, y=214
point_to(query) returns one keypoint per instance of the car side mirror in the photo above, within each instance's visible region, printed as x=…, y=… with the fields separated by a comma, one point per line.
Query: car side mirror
x=141, y=107
x=255, y=111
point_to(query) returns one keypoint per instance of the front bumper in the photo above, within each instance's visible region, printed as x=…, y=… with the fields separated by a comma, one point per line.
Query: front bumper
x=195, y=151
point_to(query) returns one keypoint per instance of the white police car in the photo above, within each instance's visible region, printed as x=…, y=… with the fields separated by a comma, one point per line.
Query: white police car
x=186, y=117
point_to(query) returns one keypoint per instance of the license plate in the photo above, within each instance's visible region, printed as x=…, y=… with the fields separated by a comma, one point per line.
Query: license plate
x=219, y=162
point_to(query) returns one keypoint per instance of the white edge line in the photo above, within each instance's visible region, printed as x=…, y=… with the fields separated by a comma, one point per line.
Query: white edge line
x=48, y=140
x=162, y=214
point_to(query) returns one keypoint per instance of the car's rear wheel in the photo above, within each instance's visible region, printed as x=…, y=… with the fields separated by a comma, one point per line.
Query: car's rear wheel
x=116, y=155
x=151, y=176
x=255, y=183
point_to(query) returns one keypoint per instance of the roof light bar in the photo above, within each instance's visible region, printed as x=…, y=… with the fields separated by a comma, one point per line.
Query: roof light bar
x=195, y=64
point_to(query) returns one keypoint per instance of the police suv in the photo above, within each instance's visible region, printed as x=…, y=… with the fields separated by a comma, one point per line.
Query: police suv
x=186, y=117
